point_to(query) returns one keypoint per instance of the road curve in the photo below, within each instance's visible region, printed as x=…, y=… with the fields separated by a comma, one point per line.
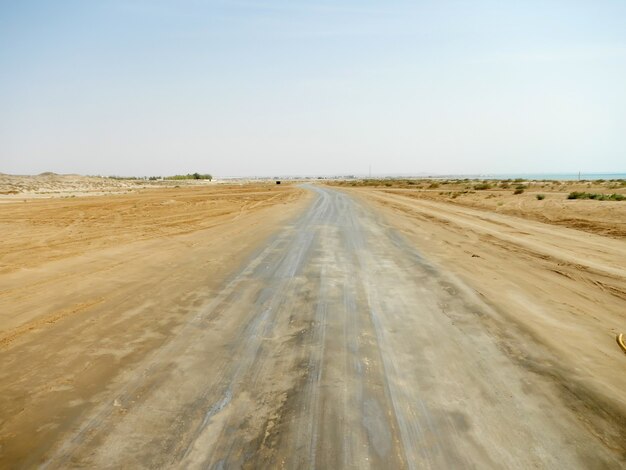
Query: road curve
x=337, y=345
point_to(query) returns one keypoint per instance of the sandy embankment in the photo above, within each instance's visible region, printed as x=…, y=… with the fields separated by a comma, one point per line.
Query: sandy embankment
x=90, y=286
x=52, y=185
x=600, y=217
x=47, y=185
x=564, y=289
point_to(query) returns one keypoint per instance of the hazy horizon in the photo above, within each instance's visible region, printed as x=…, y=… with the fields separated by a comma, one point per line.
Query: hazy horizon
x=485, y=176
x=248, y=88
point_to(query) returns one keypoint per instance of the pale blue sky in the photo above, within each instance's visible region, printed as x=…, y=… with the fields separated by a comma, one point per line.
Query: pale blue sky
x=287, y=87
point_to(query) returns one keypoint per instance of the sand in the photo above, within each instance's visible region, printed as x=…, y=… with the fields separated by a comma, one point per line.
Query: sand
x=82, y=280
x=265, y=324
x=602, y=217
x=564, y=288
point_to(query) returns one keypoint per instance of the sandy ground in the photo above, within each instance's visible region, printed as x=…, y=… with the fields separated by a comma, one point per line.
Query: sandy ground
x=47, y=185
x=284, y=328
x=39, y=231
x=52, y=185
x=90, y=286
x=601, y=217
x=564, y=289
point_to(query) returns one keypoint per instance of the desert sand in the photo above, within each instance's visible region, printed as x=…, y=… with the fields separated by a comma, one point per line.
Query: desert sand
x=48, y=184
x=287, y=326
x=587, y=215
x=562, y=281
x=82, y=280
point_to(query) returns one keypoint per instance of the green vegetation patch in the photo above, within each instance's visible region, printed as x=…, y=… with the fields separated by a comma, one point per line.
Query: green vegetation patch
x=596, y=196
x=190, y=176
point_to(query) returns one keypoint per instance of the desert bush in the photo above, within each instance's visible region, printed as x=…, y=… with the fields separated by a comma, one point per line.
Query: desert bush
x=540, y=197
x=518, y=191
x=596, y=196
x=190, y=176
x=482, y=186
x=113, y=177
x=433, y=185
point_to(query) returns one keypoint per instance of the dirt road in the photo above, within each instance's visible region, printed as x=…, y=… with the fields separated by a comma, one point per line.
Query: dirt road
x=335, y=345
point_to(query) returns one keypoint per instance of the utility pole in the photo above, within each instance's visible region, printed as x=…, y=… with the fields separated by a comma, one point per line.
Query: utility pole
x=370, y=170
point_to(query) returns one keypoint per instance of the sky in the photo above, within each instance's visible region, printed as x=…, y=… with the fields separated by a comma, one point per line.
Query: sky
x=270, y=87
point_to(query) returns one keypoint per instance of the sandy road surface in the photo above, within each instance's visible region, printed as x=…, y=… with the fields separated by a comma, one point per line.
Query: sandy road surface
x=335, y=345
x=564, y=288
